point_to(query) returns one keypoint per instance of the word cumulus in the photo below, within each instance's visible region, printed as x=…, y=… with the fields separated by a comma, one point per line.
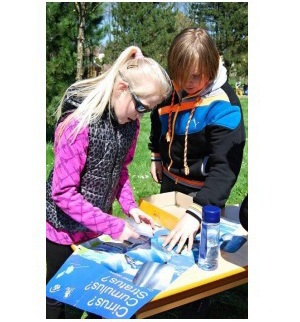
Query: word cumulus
x=117, y=296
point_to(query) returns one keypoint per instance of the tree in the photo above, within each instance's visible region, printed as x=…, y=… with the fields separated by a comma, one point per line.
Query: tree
x=81, y=11
x=153, y=25
x=72, y=29
x=227, y=23
x=90, y=15
x=149, y=25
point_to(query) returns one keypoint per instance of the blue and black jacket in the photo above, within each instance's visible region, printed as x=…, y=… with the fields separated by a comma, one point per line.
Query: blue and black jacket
x=200, y=139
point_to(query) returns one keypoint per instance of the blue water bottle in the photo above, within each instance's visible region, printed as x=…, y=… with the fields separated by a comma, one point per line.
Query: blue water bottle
x=209, y=248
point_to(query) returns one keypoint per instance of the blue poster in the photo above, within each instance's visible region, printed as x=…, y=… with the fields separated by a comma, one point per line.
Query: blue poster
x=113, y=279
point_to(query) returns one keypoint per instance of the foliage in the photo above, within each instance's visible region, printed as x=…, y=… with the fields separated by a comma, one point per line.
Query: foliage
x=62, y=22
x=227, y=22
x=149, y=25
x=139, y=23
x=60, y=58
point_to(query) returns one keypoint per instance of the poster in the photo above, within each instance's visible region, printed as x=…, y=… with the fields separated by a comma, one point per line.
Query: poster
x=113, y=279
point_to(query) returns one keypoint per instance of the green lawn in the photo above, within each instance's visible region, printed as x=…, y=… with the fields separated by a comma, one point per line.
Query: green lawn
x=231, y=304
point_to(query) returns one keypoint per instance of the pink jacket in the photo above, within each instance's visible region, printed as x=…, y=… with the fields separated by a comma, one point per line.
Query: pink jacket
x=65, y=187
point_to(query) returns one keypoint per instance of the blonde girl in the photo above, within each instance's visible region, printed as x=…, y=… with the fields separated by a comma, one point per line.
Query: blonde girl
x=95, y=140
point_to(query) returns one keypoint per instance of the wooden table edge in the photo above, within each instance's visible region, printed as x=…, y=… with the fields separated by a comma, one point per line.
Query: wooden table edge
x=189, y=295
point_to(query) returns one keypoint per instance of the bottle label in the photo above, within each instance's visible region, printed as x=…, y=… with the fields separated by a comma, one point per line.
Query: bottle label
x=203, y=242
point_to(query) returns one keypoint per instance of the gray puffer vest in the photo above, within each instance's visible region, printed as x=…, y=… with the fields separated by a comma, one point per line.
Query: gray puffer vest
x=109, y=143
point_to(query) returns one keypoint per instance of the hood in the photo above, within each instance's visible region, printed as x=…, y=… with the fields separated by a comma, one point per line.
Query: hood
x=217, y=82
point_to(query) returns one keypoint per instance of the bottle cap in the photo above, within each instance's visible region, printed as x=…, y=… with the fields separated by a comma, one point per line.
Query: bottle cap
x=211, y=214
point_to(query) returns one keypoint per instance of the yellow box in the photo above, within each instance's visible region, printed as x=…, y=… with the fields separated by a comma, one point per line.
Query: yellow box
x=166, y=208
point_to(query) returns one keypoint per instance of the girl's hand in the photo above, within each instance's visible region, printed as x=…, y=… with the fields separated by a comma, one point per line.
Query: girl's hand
x=156, y=171
x=186, y=229
x=127, y=233
x=139, y=216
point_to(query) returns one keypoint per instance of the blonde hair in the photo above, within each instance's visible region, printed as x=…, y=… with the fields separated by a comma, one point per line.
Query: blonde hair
x=192, y=47
x=96, y=93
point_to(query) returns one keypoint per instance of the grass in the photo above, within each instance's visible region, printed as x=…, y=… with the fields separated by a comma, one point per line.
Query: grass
x=240, y=189
x=229, y=304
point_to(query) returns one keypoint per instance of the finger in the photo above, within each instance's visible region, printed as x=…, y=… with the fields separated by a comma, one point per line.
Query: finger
x=155, y=178
x=154, y=175
x=149, y=220
x=190, y=243
x=168, y=239
x=180, y=245
x=173, y=243
x=137, y=219
x=152, y=225
x=132, y=232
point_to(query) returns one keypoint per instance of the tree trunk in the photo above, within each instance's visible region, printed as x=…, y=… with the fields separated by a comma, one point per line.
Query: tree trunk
x=81, y=10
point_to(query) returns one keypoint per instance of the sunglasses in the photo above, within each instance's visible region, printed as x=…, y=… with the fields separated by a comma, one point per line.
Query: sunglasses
x=139, y=106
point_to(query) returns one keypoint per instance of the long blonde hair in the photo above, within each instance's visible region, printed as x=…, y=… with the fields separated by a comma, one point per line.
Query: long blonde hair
x=96, y=93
